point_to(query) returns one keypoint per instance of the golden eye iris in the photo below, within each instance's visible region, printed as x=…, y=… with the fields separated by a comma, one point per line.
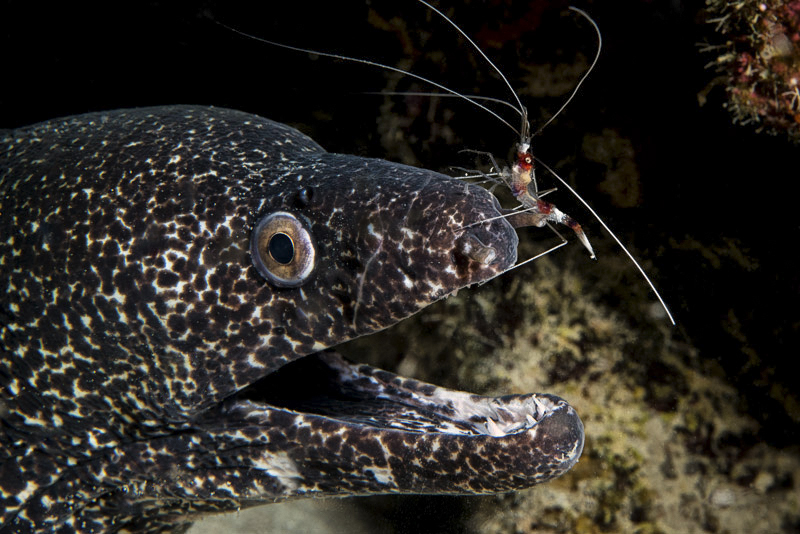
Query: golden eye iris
x=282, y=249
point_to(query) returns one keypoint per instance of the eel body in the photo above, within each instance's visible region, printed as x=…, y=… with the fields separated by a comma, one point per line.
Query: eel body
x=172, y=278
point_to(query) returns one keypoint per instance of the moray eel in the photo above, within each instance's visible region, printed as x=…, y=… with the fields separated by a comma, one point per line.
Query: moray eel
x=173, y=277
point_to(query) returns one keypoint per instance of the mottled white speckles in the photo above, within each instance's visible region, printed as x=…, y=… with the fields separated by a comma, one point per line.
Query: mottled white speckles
x=253, y=362
x=408, y=283
x=203, y=227
x=13, y=387
x=281, y=467
x=35, y=421
x=117, y=298
x=174, y=159
x=435, y=288
x=47, y=502
x=261, y=153
x=334, y=212
x=318, y=346
x=383, y=475
x=92, y=440
x=27, y=491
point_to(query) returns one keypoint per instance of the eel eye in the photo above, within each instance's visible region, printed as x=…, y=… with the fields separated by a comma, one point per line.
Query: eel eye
x=282, y=249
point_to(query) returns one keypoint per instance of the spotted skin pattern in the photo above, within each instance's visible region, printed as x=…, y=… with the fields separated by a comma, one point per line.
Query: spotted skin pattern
x=135, y=329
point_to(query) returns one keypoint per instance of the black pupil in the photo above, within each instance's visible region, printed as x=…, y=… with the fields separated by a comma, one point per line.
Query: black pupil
x=281, y=248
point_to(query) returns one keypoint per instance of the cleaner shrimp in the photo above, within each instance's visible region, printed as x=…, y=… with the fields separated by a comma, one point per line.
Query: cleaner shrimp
x=520, y=177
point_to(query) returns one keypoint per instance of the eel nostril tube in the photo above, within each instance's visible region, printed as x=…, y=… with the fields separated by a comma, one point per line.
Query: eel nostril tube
x=471, y=247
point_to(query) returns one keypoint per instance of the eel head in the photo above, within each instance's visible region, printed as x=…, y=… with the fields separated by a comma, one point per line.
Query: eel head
x=173, y=277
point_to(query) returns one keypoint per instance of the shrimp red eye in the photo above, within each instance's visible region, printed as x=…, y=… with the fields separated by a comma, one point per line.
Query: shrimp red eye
x=528, y=160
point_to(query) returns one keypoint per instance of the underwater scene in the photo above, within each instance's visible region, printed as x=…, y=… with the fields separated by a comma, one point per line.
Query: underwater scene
x=129, y=398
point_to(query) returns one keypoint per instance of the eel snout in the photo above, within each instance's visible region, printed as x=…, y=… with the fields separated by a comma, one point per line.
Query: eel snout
x=354, y=429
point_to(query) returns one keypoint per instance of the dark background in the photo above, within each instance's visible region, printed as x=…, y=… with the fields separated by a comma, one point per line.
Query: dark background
x=715, y=215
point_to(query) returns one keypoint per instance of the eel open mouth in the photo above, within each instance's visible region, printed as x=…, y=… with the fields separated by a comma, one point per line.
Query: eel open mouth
x=353, y=429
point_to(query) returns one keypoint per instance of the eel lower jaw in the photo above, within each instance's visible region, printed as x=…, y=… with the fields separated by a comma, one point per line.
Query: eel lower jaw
x=327, y=417
x=327, y=385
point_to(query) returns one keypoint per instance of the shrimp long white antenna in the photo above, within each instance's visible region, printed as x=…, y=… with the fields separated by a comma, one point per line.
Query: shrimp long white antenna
x=373, y=64
x=585, y=74
x=449, y=95
x=525, y=133
x=614, y=236
x=483, y=55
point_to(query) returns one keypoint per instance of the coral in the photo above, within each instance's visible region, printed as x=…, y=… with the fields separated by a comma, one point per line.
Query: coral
x=760, y=62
